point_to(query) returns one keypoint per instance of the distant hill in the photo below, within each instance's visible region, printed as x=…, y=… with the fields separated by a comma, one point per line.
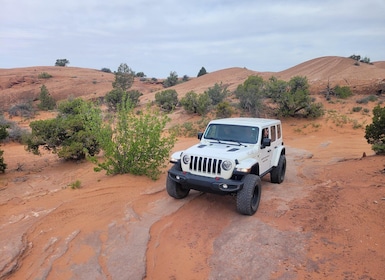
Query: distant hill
x=364, y=78
x=23, y=84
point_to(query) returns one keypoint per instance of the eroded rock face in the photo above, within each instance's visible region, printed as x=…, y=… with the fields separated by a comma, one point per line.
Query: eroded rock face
x=127, y=227
x=45, y=232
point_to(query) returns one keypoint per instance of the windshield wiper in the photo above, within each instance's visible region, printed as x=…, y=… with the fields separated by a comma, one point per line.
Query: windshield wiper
x=231, y=140
x=216, y=141
x=222, y=141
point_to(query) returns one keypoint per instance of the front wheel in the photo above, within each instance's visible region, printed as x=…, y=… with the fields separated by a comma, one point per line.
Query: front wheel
x=249, y=196
x=277, y=175
x=175, y=189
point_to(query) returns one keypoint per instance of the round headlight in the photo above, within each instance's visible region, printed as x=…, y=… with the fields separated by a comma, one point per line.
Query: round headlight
x=227, y=165
x=186, y=159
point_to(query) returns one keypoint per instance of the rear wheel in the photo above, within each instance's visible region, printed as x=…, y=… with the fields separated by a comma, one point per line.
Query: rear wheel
x=277, y=175
x=175, y=189
x=249, y=196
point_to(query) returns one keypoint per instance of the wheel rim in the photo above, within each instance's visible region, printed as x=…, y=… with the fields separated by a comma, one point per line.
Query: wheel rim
x=255, y=198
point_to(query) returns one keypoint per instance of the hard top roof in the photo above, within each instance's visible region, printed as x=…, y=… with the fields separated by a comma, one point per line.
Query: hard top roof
x=246, y=121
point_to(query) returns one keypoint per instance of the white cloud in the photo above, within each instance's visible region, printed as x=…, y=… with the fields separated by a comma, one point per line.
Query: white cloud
x=157, y=37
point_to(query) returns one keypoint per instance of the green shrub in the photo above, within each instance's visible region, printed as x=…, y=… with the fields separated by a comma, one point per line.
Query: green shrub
x=356, y=124
x=62, y=62
x=71, y=135
x=171, y=80
x=379, y=148
x=44, y=75
x=275, y=88
x=355, y=57
x=375, y=132
x=314, y=110
x=342, y=92
x=76, y=185
x=3, y=135
x=190, y=102
x=133, y=96
x=224, y=110
x=23, y=110
x=3, y=165
x=204, y=104
x=47, y=102
x=124, y=78
x=5, y=124
x=106, y=70
x=365, y=60
x=337, y=119
x=137, y=144
x=202, y=72
x=250, y=94
x=16, y=133
x=357, y=109
x=363, y=100
x=140, y=75
x=293, y=98
x=189, y=129
x=202, y=123
x=372, y=98
x=113, y=99
x=195, y=103
x=167, y=99
x=116, y=96
x=367, y=99
x=217, y=93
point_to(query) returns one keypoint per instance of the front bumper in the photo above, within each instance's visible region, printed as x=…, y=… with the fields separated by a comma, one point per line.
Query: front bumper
x=205, y=184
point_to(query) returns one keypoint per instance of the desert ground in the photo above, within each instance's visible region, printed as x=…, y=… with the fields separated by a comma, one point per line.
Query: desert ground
x=325, y=221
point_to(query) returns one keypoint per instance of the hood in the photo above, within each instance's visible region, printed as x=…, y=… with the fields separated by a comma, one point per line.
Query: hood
x=222, y=150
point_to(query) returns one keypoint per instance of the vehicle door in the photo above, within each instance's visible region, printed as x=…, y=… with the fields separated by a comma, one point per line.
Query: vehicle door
x=266, y=152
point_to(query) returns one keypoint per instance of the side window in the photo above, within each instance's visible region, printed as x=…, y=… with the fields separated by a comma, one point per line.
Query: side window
x=279, y=131
x=273, y=133
x=265, y=133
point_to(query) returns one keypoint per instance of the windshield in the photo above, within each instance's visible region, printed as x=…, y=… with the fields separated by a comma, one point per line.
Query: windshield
x=235, y=133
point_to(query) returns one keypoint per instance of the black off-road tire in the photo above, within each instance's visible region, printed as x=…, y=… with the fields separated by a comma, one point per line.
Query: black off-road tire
x=249, y=196
x=175, y=189
x=277, y=175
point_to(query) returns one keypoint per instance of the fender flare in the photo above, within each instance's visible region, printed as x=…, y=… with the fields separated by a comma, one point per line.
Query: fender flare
x=278, y=151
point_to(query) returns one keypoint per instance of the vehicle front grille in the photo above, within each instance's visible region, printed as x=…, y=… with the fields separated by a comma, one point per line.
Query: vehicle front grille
x=205, y=165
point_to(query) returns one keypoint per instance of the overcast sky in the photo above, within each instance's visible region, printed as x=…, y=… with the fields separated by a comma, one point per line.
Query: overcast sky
x=157, y=37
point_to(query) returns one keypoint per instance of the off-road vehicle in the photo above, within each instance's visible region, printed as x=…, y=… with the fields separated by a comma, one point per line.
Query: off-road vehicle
x=231, y=158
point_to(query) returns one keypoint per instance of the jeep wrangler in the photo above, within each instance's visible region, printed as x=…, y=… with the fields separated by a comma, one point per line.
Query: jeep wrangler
x=231, y=158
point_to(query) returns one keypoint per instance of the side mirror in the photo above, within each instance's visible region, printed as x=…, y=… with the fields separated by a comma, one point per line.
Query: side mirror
x=266, y=142
x=200, y=134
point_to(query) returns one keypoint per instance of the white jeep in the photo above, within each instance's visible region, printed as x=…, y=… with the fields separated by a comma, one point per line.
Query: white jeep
x=231, y=158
